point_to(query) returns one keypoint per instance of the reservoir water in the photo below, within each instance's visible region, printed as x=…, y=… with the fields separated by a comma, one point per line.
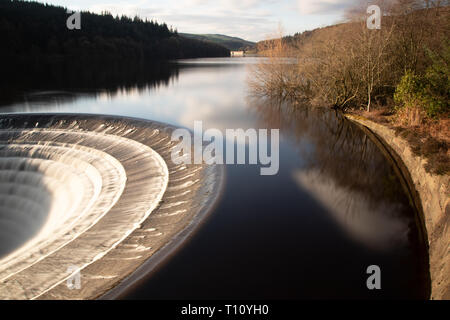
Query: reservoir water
x=337, y=205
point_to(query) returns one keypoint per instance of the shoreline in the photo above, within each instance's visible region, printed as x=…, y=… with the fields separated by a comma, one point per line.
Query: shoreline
x=430, y=193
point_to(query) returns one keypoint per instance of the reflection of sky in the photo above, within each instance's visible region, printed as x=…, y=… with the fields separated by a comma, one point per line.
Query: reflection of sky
x=217, y=95
x=209, y=90
x=378, y=227
x=208, y=94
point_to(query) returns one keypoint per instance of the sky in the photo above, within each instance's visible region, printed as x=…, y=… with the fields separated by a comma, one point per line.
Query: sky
x=252, y=20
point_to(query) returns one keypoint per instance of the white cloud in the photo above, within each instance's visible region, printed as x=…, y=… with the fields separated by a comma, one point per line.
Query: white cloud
x=373, y=224
x=249, y=19
x=323, y=6
x=241, y=18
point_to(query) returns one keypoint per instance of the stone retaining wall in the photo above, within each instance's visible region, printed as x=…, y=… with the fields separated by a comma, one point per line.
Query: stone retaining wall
x=433, y=191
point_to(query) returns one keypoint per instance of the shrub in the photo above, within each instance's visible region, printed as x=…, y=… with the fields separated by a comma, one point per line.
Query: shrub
x=409, y=91
x=430, y=92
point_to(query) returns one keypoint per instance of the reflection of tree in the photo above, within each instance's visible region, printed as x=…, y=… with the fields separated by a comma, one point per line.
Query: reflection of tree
x=347, y=172
x=338, y=149
x=64, y=76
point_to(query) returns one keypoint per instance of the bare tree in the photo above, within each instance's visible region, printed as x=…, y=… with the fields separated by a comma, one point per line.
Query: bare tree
x=371, y=47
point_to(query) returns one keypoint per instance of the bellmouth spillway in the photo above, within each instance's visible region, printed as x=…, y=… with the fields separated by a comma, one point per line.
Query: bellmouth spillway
x=95, y=193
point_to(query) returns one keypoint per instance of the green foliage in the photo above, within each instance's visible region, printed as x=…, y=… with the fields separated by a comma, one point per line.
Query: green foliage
x=431, y=92
x=437, y=90
x=409, y=91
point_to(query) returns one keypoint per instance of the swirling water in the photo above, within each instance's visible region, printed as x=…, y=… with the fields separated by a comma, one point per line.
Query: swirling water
x=336, y=206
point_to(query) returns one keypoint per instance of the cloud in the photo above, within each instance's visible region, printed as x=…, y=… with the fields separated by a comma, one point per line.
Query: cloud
x=373, y=224
x=233, y=17
x=128, y=9
x=323, y=6
x=244, y=26
x=249, y=19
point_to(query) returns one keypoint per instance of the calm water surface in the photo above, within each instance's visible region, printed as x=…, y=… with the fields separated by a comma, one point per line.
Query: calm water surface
x=336, y=206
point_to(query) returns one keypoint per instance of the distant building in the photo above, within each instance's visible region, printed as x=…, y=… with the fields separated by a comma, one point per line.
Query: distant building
x=237, y=53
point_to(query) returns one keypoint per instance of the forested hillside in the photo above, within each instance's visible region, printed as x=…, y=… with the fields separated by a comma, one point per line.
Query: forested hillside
x=231, y=43
x=34, y=33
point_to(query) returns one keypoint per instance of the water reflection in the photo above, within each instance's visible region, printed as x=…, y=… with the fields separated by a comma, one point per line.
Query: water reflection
x=345, y=171
x=210, y=90
x=336, y=204
x=62, y=83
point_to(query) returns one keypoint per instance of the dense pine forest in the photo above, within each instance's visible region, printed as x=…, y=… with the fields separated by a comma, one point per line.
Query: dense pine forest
x=35, y=35
x=231, y=43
